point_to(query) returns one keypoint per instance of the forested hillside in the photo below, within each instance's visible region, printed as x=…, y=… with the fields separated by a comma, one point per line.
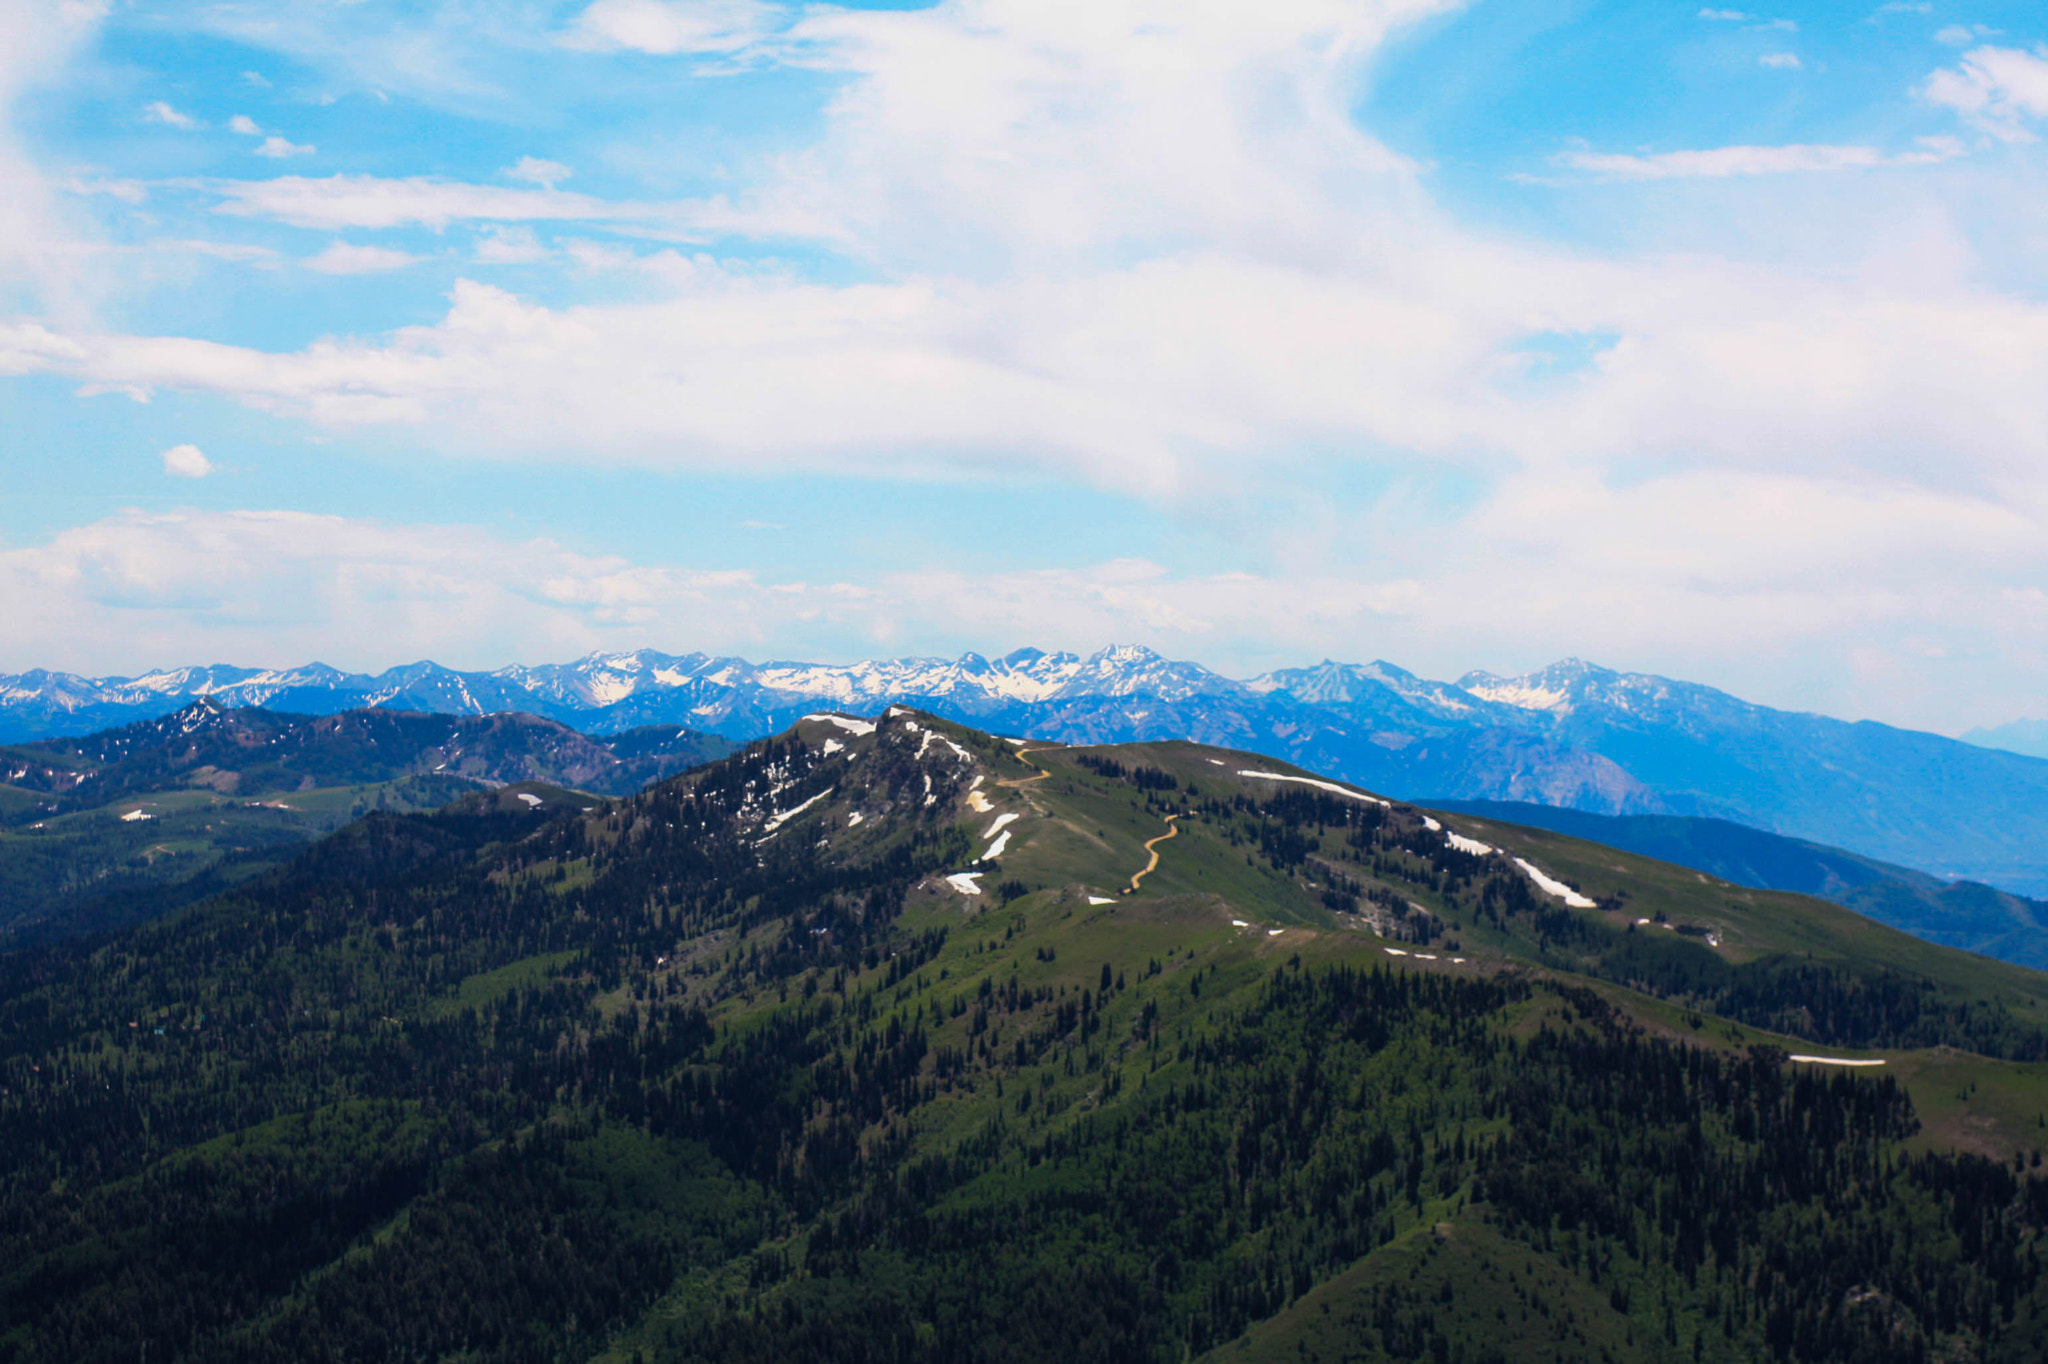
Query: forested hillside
x=894, y=1041
x=116, y=827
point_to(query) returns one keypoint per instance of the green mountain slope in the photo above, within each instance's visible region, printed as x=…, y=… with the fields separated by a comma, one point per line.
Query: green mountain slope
x=897, y=1041
x=1965, y=914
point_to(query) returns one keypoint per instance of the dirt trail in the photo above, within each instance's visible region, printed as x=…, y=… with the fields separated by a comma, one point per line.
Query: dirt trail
x=1023, y=755
x=1152, y=846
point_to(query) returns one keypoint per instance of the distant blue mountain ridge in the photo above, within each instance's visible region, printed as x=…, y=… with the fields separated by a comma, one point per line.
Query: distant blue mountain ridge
x=1573, y=735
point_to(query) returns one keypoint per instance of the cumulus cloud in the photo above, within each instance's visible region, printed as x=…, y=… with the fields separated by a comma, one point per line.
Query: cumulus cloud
x=127, y=191
x=1152, y=257
x=1722, y=162
x=40, y=263
x=243, y=124
x=157, y=111
x=509, y=246
x=1962, y=35
x=535, y=171
x=370, y=201
x=1996, y=89
x=286, y=586
x=187, y=461
x=666, y=28
x=1780, y=61
x=279, y=148
x=348, y=258
x=230, y=251
x=1829, y=568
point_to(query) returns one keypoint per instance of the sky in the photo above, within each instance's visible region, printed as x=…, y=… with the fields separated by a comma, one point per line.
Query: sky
x=1699, y=341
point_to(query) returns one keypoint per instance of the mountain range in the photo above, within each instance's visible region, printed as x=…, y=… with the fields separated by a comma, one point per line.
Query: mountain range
x=1573, y=735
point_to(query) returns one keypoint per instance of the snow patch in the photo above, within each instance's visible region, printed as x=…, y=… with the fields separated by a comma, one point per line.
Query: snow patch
x=1101, y=900
x=832, y=746
x=855, y=727
x=1469, y=845
x=963, y=881
x=1521, y=694
x=855, y=818
x=1329, y=786
x=531, y=800
x=995, y=849
x=1275, y=932
x=930, y=735
x=1554, y=886
x=1432, y=825
x=1834, y=1061
x=133, y=816
x=1395, y=952
x=775, y=822
x=979, y=803
x=1001, y=821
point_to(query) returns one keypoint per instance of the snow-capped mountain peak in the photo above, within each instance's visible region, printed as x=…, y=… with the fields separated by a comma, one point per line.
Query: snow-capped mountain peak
x=1557, y=688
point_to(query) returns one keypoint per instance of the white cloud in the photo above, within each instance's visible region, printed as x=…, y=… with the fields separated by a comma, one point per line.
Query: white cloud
x=369, y=201
x=1781, y=61
x=157, y=111
x=42, y=265
x=1736, y=16
x=375, y=202
x=233, y=251
x=285, y=587
x=1723, y=576
x=1996, y=89
x=187, y=461
x=509, y=246
x=1721, y=162
x=127, y=191
x=533, y=170
x=347, y=258
x=257, y=79
x=278, y=148
x=667, y=28
x=243, y=124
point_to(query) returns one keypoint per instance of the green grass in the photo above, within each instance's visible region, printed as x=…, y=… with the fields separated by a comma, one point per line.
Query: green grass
x=486, y=987
x=1487, y=1298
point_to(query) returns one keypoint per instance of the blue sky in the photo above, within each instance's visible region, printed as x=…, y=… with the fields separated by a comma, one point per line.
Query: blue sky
x=1695, y=340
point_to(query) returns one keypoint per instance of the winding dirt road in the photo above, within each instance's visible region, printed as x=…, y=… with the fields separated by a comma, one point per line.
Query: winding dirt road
x=1152, y=846
x=1023, y=755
